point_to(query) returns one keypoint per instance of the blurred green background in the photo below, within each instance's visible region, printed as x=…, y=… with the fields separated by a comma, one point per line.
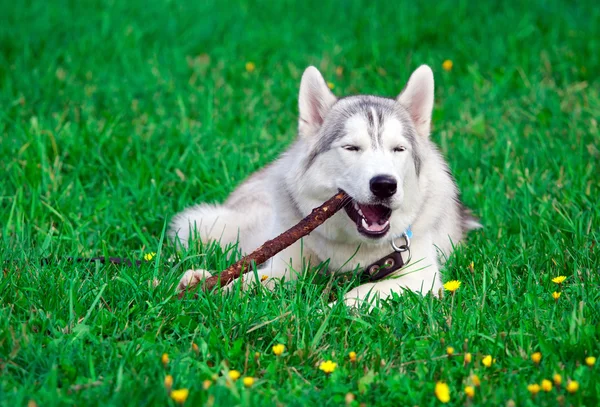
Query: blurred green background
x=114, y=115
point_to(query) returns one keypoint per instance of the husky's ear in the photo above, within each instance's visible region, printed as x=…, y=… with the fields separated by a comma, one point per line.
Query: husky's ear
x=314, y=101
x=417, y=98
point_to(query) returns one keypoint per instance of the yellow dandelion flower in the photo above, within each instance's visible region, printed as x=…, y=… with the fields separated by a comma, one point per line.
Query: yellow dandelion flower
x=250, y=67
x=442, y=392
x=536, y=357
x=557, y=379
x=248, y=381
x=164, y=359
x=533, y=388
x=263, y=277
x=149, y=256
x=470, y=391
x=256, y=355
x=452, y=285
x=278, y=349
x=468, y=358
x=234, y=375
x=352, y=356
x=447, y=65
x=487, y=361
x=556, y=295
x=331, y=85
x=590, y=361
x=572, y=386
x=206, y=384
x=61, y=74
x=546, y=385
x=449, y=351
x=476, y=381
x=180, y=396
x=328, y=366
x=168, y=382
x=559, y=279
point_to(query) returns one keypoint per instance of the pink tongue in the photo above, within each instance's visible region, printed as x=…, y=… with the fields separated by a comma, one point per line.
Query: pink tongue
x=373, y=213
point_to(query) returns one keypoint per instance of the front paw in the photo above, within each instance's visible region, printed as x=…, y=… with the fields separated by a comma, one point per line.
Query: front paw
x=191, y=278
x=364, y=294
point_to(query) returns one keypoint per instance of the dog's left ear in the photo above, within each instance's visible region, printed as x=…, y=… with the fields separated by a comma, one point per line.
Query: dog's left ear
x=314, y=102
x=417, y=98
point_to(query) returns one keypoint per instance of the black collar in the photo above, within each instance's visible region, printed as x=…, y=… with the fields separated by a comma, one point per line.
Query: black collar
x=385, y=266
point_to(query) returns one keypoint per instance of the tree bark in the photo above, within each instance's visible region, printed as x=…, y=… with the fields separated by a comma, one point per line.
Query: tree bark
x=274, y=246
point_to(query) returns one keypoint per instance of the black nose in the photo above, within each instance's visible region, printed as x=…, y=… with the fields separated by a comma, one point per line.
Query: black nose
x=383, y=186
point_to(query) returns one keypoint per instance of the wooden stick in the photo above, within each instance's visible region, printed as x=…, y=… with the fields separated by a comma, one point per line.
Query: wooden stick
x=274, y=246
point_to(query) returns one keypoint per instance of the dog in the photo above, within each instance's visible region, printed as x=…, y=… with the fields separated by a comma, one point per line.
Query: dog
x=378, y=150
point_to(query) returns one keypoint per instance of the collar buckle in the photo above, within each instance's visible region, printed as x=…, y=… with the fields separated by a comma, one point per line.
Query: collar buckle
x=403, y=247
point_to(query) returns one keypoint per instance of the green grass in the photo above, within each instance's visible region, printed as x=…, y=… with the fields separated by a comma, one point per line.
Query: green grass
x=116, y=115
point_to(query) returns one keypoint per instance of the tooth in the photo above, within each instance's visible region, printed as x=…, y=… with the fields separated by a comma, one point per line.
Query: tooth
x=365, y=224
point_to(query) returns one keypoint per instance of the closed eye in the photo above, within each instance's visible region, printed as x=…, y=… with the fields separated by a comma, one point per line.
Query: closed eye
x=351, y=148
x=399, y=149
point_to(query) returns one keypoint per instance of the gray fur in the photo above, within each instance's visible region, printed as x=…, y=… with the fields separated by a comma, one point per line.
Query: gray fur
x=332, y=129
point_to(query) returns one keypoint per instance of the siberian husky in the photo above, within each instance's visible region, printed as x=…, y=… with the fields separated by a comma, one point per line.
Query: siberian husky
x=379, y=152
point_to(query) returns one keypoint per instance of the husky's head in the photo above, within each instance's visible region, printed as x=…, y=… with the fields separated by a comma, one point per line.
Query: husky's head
x=370, y=147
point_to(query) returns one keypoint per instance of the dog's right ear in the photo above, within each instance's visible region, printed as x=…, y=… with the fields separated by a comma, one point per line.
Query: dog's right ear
x=314, y=102
x=417, y=98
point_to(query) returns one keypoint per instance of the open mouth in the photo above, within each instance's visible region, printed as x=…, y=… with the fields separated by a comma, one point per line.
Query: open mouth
x=371, y=220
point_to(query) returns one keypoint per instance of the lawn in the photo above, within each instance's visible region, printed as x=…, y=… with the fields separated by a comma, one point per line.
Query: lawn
x=114, y=115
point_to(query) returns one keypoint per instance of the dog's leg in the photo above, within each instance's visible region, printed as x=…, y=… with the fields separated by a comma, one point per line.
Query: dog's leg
x=192, y=277
x=285, y=265
x=223, y=224
x=420, y=275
